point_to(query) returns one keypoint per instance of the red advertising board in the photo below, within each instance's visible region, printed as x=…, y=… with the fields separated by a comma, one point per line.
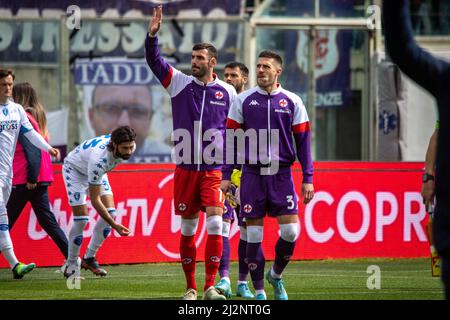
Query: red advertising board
x=360, y=209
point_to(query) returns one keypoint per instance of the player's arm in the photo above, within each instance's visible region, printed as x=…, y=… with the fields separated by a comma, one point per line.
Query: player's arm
x=428, y=187
x=417, y=63
x=235, y=121
x=33, y=157
x=95, y=191
x=302, y=136
x=171, y=79
x=35, y=138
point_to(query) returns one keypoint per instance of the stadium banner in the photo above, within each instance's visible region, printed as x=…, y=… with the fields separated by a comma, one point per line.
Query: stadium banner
x=106, y=87
x=32, y=40
x=360, y=210
x=332, y=66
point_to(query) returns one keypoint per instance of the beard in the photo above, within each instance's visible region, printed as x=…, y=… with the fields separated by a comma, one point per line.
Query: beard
x=199, y=72
x=117, y=154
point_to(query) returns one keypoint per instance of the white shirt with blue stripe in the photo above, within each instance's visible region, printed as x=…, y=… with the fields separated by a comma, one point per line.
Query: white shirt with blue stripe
x=14, y=121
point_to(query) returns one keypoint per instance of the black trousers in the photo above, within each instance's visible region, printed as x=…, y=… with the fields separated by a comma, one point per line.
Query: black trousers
x=38, y=198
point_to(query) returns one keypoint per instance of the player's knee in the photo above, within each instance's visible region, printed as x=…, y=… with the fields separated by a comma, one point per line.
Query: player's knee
x=243, y=233
x=255, y=234
x=289, y=232
x=214, y=225
x=189, y=227
x=226, y=229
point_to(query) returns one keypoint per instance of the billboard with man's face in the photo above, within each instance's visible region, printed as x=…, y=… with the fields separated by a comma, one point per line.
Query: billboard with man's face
x=116, y=92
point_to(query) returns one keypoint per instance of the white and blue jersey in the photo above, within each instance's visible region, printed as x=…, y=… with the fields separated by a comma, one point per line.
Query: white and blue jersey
x=14, y=121
x=87, y=165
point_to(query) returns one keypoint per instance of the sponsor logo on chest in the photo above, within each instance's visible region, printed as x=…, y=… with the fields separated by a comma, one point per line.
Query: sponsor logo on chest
x=9, y=125
x=219, y=102
x=283, y=104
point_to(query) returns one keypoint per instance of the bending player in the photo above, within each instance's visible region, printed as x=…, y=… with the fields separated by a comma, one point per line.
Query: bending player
x=84, y=172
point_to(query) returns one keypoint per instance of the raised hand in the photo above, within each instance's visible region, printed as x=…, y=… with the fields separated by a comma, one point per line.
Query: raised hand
x=155, y=23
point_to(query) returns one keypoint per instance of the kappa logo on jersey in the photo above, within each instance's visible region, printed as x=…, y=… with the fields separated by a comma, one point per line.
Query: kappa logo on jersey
x=76, y=195
x=283, y=103
x=5, y=112
x=247, y=208
x=219, y=95
x=254, y=103
x=182, y=207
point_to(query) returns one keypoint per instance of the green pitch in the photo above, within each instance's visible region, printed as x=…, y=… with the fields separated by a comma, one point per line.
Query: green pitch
x=309, y=280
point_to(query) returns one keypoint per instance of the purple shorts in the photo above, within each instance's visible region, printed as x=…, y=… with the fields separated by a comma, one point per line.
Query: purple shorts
x=267, y=194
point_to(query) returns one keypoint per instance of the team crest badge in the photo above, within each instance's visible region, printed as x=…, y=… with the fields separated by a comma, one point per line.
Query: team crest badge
x=252, y=266
x=215, y=259
x=182, y=207
x=247, y=208
x=283, y=103
x=5, y=111
x=219, y=95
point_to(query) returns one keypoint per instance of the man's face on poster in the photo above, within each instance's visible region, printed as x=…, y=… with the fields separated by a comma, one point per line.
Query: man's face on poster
x=115, y=106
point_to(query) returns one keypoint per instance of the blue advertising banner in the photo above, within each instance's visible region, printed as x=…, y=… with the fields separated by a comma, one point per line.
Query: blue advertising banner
x=113, y=72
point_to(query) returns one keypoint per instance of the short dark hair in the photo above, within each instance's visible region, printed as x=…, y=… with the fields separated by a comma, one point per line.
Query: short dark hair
x=271, y=55
x=240, y=65
x=6, y=72
x=212, y=51
x=120, y=135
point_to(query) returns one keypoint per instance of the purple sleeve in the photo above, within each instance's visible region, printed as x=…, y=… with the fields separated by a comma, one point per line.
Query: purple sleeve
x=303, y=145
x=162, y=70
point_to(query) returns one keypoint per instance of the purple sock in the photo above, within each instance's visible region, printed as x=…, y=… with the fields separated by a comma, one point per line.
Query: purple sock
x=225, y=260
x=256, y=262
x=283, y=253
x=243, y=266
